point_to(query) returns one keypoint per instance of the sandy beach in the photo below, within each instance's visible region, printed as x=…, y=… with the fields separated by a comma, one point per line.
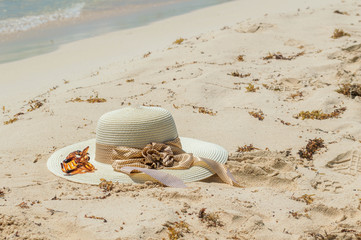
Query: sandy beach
x=276, y=83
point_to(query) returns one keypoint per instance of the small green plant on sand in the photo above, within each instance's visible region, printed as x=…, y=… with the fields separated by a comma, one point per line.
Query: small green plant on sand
x=337, y=33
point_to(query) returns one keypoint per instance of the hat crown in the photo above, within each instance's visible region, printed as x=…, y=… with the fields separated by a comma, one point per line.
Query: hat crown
x=135, y=127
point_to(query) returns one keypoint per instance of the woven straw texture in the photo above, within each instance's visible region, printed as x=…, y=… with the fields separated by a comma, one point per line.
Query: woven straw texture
x=136, y=127
x=197, y=147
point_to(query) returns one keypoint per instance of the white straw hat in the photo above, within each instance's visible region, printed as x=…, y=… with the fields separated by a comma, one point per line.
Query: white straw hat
x=135, y=128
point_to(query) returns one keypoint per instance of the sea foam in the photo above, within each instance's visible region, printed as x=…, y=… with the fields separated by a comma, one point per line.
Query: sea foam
x=29, y=22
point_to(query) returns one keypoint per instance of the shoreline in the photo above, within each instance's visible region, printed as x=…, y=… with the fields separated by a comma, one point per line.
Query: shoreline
x=47, y=37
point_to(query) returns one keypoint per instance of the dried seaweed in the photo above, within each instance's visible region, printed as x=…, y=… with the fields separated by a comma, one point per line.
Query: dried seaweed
x=258, y=115
x=350, y=90
x=96, y=99
x=91, y=99
x=298, y=94
x=341, y=234
x=23, y=205
x=279, y=56
x=151, y=105
x=319, y=115
x=11, y=120
x=52, y=89
x=211, y=219
x=146, y=55
x=273, y=87
x=176, y=230
x=307, y=198
x=3, y=191
x=340, y=12
x=298, y=215
x=338, y=33
x=35, y=104
x=311, y=148
x=94, y=217
x=247, y=148
x=178, y=41
x=130, y=80
x=284, y=122
x=18, y=114
x=78, y=99
x=81, y=198
x=237, y=74
x=205, y=110
x=240, y=58
x=37, y=158
x=106, y=185
x=251, y=88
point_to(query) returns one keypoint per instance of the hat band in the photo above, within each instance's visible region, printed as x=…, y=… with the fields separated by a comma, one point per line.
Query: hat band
x=105, y=153
x=168, y=155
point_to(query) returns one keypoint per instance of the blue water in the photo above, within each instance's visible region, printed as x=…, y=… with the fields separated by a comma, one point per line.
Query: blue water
x=32, y=27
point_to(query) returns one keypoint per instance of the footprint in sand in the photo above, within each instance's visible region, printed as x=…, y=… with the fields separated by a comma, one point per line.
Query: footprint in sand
x=322, y=183
x=350, y=68
x=264, y=168
x=347, y=163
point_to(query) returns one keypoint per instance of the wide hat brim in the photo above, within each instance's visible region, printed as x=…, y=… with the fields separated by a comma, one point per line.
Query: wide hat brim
x=197, y=147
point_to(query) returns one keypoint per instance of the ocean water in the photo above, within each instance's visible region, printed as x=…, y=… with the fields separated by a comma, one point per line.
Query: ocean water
x=32, y=27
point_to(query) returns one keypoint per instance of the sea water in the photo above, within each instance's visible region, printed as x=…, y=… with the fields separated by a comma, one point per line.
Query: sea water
x=32, y=27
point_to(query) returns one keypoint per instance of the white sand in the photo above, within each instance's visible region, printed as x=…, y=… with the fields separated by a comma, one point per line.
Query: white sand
x=178, y=77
